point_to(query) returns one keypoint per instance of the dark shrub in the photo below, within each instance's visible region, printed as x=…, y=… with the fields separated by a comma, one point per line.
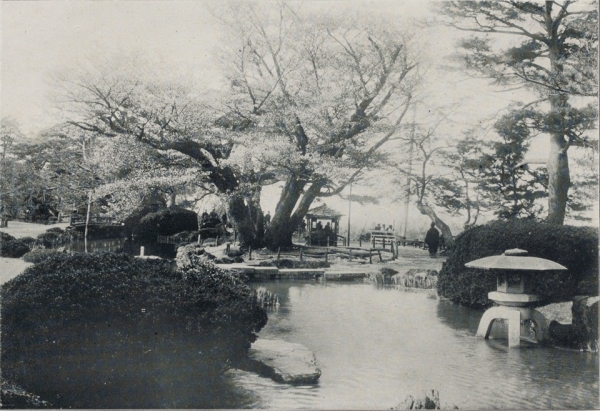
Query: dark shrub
x=15, y=397
x=49, y=239
x=185, y=237
x=14, y=248
x=113, y=331
x=165, y=222
x=574, y=247
x=28, y=241
x=56, y=236
x=39, y=255
x=133, y=220
x=5, y=237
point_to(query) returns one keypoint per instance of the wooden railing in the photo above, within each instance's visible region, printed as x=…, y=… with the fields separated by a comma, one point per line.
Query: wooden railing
x=166, y=239
x=383, y=237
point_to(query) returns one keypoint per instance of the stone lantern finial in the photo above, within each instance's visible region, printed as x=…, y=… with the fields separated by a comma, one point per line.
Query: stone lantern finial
x=516, y=252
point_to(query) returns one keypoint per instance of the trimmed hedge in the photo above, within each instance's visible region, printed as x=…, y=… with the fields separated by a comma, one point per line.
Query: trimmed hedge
x=4, y=237
x=165, y=222
x=12, y=247
x=15, y=248
x=39, y=255
x=54, y=236
x=574, y=247
x=28, y=241
x=113, y=331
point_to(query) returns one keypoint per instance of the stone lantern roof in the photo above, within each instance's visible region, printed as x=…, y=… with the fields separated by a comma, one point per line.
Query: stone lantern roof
x=515, y=259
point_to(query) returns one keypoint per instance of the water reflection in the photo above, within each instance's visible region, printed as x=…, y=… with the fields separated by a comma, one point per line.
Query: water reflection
x=377, y=345
x=457, y=316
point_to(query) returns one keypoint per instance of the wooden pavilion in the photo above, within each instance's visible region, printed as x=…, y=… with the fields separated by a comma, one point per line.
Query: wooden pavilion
x=322, y=225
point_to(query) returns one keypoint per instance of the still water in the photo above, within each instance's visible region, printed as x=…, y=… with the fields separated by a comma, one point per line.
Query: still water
x=376, y=345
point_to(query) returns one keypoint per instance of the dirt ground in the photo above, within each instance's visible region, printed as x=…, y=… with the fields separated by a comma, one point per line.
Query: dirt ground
x=408, y=257
x=20, y=229
x=11, y=267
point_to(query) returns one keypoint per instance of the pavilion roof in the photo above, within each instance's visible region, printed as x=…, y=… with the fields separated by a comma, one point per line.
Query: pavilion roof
x=323, y=212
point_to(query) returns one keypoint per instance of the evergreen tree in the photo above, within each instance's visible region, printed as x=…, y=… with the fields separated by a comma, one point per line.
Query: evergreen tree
x=510, y=186
x=553, y=52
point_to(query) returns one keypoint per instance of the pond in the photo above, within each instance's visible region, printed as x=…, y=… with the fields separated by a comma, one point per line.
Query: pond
x=376, y=345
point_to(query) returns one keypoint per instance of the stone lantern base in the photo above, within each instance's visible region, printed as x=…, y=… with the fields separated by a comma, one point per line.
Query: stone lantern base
x=514, y=308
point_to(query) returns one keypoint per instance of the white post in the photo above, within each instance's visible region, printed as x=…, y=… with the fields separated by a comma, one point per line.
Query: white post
x=142, y=251
x=349, y=209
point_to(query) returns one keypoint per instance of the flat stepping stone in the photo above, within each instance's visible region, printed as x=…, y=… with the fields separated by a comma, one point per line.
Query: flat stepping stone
x=358, y=253
x=284, y=362
x=345, y=275
x=264, y=273
x=300, y=273
x=236, y=267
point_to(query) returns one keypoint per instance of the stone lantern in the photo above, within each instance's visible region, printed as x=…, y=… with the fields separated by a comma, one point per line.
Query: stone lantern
x=514, y=268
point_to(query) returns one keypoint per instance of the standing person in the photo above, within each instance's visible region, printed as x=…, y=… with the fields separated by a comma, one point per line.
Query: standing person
x=432, y=239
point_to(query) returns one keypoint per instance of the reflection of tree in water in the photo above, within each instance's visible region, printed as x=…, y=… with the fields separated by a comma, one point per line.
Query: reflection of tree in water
x=458, y=317
x=279, y=317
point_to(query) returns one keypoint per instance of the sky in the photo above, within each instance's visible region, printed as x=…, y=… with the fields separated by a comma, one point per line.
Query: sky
x=42, y=37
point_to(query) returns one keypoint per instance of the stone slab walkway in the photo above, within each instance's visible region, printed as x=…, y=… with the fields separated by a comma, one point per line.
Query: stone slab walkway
x=285, y=362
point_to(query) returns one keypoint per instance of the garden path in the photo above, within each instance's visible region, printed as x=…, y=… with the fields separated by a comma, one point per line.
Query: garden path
x=19, y=229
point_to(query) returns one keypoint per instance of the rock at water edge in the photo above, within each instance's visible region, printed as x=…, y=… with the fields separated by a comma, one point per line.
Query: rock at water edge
x=285, y=362
x=429, y=401
x=191, y=254
x=585, y=321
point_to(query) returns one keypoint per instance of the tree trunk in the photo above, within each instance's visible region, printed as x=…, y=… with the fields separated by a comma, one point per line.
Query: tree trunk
x=281, y=228
x=558, y=180
x=87, y=222
x=558, y=162
x=284, y=222
x=428, y=211
x=247, y=219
